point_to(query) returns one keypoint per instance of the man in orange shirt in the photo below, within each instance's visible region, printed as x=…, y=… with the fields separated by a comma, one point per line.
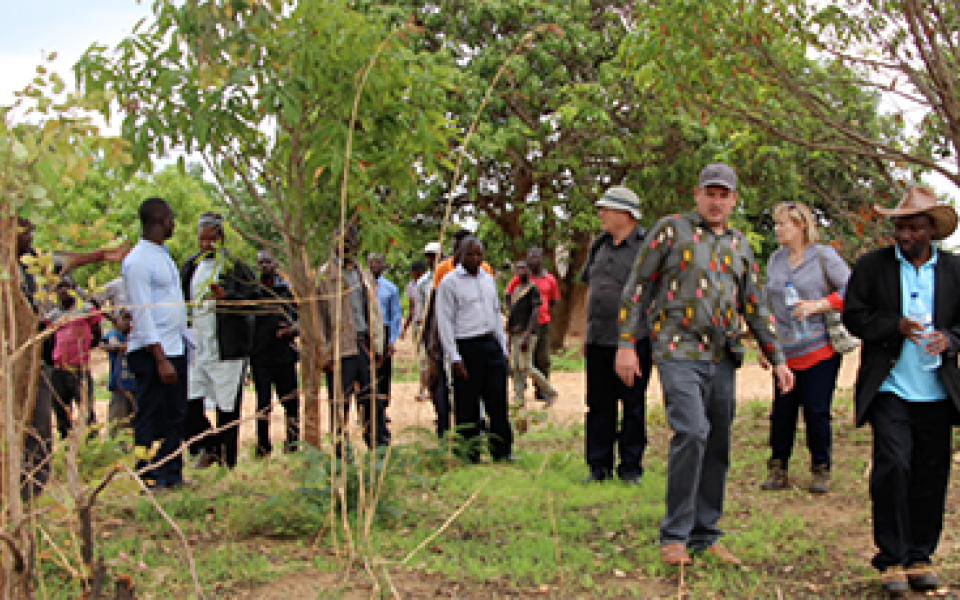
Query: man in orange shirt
x=449, y=263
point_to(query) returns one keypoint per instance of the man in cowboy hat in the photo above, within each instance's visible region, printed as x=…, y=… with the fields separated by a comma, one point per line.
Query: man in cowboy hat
x=909, y=408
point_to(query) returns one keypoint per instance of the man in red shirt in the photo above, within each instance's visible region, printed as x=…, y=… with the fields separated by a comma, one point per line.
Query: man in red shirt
x=550, y=295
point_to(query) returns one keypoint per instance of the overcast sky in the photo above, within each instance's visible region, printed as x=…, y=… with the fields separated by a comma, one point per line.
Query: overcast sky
x=32, y=28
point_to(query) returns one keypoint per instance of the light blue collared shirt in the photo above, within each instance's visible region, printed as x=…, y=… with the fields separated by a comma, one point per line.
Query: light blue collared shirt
x=907, y=379
x=152, y=284
x=389, y=297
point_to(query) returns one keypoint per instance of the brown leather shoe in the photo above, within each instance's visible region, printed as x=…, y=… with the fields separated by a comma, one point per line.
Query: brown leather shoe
x=723, y=555
x=675, y=554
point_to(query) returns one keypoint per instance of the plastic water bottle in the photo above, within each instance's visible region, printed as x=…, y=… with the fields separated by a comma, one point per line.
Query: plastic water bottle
x=791, y=296
x=917, y=311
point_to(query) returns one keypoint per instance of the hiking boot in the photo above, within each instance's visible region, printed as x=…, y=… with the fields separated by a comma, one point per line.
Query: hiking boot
x=776, y=476
x=821, y=479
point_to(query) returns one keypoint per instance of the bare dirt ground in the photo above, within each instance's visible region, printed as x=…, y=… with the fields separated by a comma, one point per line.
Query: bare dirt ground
x=406, y=413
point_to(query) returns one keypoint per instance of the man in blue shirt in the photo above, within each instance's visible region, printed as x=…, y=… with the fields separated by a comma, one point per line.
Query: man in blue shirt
x=389, y=297
x=910, y=408
x=157, y=345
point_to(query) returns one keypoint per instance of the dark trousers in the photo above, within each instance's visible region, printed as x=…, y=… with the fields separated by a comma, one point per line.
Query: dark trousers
x=605, y=393
x=71, y=386
x=282, y=377
x=908, y=483
x=541, y=354
x=441, y=396
x=813, y=391
x=160, y=413
x=385, y=373
x=487, y=369
x=195, y=423
x=223, y=445
x=355, y=376
x=38, y=444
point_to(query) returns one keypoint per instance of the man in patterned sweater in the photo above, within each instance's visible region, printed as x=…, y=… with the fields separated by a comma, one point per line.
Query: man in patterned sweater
x=693, y=279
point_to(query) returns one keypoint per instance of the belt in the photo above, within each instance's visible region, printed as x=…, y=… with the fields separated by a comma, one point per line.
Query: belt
x=478, y=338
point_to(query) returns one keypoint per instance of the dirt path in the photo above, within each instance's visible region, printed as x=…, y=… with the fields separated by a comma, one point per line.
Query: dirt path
x=406, y=413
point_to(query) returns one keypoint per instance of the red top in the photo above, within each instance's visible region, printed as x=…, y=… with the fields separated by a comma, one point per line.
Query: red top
x=72, y=340
x=549, y=293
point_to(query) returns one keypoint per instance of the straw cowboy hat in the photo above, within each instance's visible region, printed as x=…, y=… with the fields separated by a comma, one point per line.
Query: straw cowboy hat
x=919, y=200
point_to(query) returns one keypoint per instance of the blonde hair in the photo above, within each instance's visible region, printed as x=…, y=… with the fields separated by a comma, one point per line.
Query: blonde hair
x=800, y=214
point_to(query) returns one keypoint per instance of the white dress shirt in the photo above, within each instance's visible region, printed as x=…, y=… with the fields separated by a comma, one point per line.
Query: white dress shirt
x=468, y=306
x=153, y=291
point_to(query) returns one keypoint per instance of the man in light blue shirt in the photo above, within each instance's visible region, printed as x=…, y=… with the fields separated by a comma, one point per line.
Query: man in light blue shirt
x=389, y=297
x=909, y=408
x=471, y=332
x=157, y=346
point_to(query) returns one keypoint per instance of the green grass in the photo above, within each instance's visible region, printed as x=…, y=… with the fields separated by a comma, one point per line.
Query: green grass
x=530, y=528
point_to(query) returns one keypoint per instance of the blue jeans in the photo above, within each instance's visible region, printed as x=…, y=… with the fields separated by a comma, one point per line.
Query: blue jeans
x=813, y=391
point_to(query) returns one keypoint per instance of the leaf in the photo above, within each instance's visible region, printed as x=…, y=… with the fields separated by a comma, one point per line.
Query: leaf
x=36, y=191
x=20, y=152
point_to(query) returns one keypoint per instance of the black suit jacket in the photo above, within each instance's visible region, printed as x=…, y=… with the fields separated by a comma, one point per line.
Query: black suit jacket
x=872, y=309
x=234, y=318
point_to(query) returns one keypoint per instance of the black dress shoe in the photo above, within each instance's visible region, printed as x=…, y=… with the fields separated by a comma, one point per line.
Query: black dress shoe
x=596, y=476
x=893, y=581
x=631, y=478
x=922, y=579
x=506, y=459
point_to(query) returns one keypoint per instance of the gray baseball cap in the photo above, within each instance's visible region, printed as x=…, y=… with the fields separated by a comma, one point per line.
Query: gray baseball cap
x=621, y=198
x=718, y=174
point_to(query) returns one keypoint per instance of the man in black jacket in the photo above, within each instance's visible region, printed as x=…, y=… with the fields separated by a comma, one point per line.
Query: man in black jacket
x=219, y=290
x=273, y=361
x=910, y=408
x=612, y=256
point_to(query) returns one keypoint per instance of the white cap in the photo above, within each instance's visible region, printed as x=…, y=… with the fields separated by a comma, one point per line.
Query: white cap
x=432, y=248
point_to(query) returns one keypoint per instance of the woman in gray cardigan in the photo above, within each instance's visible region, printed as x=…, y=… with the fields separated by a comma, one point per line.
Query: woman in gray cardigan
x=819, y=275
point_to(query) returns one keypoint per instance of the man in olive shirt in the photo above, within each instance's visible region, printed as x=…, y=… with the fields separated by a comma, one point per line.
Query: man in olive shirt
x=693, y=278
x=612, y=256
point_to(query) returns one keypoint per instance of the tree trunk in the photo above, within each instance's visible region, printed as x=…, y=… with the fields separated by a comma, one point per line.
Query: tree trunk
x=571, y=290
x=311, y=344
x=19, y=374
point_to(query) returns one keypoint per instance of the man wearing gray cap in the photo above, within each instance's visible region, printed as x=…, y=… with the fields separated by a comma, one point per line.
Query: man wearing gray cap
x=612, y=256
x=693, y=279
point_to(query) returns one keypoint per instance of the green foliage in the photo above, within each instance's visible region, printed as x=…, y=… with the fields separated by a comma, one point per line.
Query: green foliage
x=48, y=141
x=264, y=92
x=568, y=359
x=810, y=122
x=104, y=208
x=304, y=509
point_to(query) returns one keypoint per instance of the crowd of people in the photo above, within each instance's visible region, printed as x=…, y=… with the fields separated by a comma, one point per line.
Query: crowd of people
x=677, y=296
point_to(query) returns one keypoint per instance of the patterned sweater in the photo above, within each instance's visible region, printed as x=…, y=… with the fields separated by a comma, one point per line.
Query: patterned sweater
x=693, y=285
